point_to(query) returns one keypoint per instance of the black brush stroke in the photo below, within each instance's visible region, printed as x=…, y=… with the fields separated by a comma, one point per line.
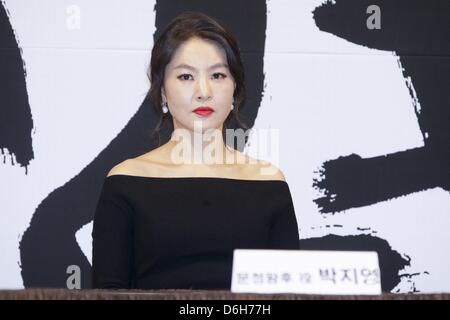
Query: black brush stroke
x=16, y=122
x=418, y=32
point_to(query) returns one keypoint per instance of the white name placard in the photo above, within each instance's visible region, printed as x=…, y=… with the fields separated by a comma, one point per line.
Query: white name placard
x=305, y=272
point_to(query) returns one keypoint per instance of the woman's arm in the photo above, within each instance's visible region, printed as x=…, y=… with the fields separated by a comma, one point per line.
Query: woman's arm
x=112, y=240
x=284, y=229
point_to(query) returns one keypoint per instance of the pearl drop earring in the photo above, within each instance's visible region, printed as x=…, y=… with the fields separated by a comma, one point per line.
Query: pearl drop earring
x=165, y=108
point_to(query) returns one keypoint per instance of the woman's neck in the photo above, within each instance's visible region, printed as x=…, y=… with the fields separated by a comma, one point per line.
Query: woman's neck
x=200, y=149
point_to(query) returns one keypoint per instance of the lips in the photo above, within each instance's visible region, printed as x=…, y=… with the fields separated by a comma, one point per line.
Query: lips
x=204, y=111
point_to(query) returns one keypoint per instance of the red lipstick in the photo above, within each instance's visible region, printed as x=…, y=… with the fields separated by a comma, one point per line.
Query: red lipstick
x=204, y=110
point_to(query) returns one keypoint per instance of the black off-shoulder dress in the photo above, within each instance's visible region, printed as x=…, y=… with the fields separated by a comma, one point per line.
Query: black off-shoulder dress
x=180, y=232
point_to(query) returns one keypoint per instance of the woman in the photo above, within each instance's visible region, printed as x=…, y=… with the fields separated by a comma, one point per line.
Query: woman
x=172, y=217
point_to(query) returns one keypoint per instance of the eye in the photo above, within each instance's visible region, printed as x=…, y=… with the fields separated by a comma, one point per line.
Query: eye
x=219, y=75
x=184, y=76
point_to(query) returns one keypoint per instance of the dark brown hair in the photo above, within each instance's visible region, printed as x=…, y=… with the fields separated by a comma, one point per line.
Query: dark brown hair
x=180, y=29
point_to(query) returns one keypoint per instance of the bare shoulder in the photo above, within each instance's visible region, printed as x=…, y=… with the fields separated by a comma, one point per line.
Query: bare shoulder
x=262, y=170
x=127, y=167
x=270, y=172
x=147, y=164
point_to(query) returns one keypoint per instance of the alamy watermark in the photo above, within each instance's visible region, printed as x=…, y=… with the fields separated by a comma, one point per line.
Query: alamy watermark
x=373, y=22
x=73, y=20
x=74, y=279
x=206, y=147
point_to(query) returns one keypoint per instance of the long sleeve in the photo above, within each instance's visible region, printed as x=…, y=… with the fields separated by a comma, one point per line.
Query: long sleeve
x=284, y=229
x=112, y=240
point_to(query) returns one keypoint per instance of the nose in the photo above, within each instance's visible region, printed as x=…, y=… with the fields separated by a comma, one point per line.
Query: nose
x=203, y=89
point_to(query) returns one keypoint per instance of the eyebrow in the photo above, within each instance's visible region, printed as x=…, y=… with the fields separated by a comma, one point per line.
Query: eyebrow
x=186, y=66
